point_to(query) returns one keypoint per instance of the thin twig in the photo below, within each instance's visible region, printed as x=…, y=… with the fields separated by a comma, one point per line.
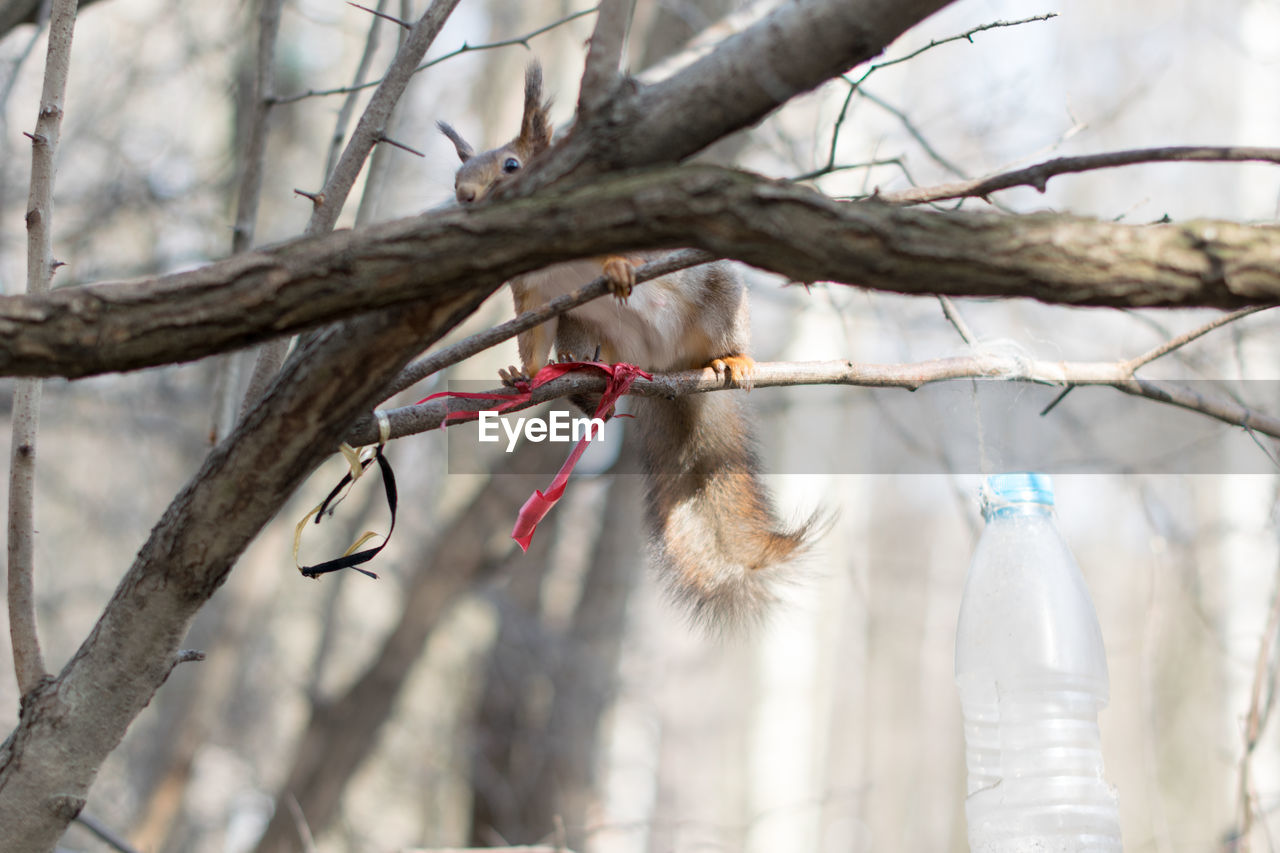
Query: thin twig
x=1187, y=337
x=387, y=140
x=1169, y=346
x=856, y=85
x=915, y=132
x=1056, y=400
x=848, y=167
x=952, y=313
x=1038, y=175
x=835, y=138
x=105, y=833
x=598, y=287
x=379, y=13
x=186, y=656
x=466, y=48
x=28, y=661
x=967, y=35
x=300, y=823
x=1261, y=701
x=1275, y=460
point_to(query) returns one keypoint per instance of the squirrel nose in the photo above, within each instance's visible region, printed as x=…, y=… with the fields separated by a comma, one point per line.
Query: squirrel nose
x=467, y=193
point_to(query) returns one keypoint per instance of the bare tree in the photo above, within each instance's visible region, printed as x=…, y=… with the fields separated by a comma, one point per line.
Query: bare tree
x=367, y=301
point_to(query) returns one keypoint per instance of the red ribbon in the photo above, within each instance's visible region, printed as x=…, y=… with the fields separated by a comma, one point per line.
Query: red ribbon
x=620, y=375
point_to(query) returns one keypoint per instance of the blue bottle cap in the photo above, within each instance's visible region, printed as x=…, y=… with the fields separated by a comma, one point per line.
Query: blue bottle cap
x=1018, y=487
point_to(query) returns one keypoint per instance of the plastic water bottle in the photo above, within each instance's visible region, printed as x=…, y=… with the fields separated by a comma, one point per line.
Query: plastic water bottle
x=1032, y=675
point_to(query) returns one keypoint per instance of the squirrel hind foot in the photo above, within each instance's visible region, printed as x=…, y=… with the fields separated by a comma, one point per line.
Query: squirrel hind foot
x=740, y=370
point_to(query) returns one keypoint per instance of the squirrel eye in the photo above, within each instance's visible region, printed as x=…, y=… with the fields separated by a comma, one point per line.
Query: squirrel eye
x=510, y=165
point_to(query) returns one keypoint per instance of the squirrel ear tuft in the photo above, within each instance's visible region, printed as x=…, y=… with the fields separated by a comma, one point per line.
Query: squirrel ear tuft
x=535, y=128
x=465, y=151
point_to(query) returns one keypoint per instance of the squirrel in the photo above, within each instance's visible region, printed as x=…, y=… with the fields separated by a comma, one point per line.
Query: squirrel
x=716, y=539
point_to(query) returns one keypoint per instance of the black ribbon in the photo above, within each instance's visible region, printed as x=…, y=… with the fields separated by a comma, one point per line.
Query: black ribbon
x=353, y=561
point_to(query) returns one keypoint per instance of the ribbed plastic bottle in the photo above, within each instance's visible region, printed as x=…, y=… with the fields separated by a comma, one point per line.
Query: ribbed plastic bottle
x=1032, y=676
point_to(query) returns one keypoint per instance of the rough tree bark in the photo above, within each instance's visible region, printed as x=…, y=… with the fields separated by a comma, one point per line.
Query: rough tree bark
x=775, y=225
x=68, y=726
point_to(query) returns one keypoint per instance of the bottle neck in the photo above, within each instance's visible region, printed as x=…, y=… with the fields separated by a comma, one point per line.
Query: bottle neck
x=1015, y=509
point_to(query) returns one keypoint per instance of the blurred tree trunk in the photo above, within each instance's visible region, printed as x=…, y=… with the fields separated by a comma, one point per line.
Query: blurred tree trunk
x=508, y=742
x=588, y=677
x=538, y=722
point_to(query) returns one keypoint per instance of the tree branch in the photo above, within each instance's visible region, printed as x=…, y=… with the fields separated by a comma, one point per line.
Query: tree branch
x=856, y=85
x=380, y=160
x=522, y=40
x=28, y=662
x=799, y=46
x=774, y=225
x=967, y=35
x=253, y=151
x=1038, y=175
x=1187, y=337
x=105, y=833
x=411, y=420
x=253, y=157
x=373, y=120
x=601, y=75
x=68, y=726
x=349, y=102
x=481, y=341
x=381, y=14
x=707, y=39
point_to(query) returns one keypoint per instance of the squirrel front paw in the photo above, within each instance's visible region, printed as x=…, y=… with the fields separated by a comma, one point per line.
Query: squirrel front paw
x=513, y=376
x=622, y=276
x=738, y=369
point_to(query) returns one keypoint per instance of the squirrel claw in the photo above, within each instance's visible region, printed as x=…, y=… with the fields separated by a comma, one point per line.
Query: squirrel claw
x=622, y=276
x=737, y=369
x=512, y=376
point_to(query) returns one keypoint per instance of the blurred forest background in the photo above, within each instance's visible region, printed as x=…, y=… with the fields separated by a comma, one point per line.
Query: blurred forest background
x=475, y=695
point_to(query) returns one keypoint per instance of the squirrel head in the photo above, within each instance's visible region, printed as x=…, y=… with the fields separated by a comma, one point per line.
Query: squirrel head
x=480, y=172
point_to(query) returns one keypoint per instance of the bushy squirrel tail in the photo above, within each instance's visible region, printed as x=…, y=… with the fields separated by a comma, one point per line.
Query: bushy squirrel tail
x=721, y=549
